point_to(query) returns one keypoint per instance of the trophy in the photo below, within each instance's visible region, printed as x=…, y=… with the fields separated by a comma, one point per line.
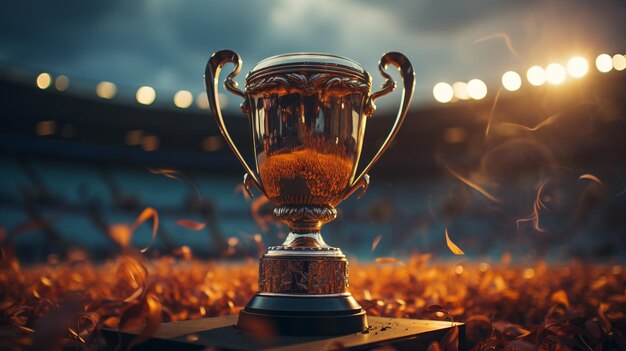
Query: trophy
x=307, y=114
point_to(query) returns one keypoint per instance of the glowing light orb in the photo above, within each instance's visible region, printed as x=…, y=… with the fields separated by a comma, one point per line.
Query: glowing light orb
x=212, y=143
x=443, y=92
x=44, y=128
x=454, y=135
x=477, y=89
x=555, y=73
x=183, y=99
x=619, y=62
x=577, y=67
x=604, y=63
x=460, y=90
x=511, y=81
x=202, y=101
x=145, y=95
x=61, y=83
x=536, y=76
x=106, y=90
x=43, y=80
x=150, y=142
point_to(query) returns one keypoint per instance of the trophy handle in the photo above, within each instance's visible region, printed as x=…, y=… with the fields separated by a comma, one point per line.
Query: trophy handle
x=408, y=79
x=211, y=80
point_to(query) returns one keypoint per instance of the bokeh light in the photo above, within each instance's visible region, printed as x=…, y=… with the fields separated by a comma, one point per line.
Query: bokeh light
x=604, y=63
x=454, y=135
x=44, y=128
x=106, y=90
x=536, y=76
x=145, y=95
x=61, y=83
x=202, y=101
x=477, y=89
x=212, y=143
x=555, y=73
x=619, y=62
x=460, y=90
x=133, y=137
x=183, y=99
x=150, y=142
x=577, y=67
x=443, y=92
x=43, y=80
x=511, y=81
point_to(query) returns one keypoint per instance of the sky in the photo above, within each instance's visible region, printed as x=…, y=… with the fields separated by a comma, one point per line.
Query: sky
x=165, y=44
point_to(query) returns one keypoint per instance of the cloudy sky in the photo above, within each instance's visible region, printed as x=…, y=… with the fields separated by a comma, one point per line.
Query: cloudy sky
x=166, y=43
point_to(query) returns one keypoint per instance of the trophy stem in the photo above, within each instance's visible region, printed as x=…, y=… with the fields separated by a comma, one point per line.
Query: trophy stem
x=303, y=282
x=305, y=219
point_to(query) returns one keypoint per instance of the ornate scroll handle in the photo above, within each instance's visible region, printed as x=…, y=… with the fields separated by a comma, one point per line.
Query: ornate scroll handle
x=408, y=79
x=211, y=80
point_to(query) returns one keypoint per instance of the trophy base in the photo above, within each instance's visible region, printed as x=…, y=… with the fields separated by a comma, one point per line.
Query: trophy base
x=302, y=315
x=220, y=333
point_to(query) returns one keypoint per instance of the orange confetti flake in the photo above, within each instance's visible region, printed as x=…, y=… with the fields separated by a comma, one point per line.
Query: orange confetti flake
x=148, y=213
x=191, y=225
x=592, y=178
x=560, y=297
x=376, y=241
x=452, y=246
x=386, y=260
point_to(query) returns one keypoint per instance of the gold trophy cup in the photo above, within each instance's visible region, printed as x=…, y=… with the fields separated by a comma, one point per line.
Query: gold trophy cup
x=307, y=113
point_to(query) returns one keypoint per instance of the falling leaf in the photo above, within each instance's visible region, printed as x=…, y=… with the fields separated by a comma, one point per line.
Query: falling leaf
x=452, y=246
x=560, y=297
x=75, y=334
x=121, y=234
x=386, y=260
x=592, y=178
x=191, y=225
x=169, y=173
x=148, y=213
x=376, y=241
x=174, y=174
x=470, y=183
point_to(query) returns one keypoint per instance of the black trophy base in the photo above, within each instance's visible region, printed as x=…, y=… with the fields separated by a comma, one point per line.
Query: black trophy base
x=302, y=315
x=221, y=334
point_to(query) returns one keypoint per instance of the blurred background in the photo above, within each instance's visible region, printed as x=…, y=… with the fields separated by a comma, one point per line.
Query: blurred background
x=515, y=142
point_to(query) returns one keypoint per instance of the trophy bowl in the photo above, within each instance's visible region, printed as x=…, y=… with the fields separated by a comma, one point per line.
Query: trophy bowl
x=307, y=113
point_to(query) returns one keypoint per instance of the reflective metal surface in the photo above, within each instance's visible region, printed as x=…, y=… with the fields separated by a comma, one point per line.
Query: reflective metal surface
x=307, y=114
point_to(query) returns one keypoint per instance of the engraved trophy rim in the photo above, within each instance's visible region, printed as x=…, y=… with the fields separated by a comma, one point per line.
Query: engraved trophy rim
x=310, y=61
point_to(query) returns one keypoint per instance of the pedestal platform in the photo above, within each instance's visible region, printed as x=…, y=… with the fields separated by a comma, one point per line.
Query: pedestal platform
x=220, y=334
